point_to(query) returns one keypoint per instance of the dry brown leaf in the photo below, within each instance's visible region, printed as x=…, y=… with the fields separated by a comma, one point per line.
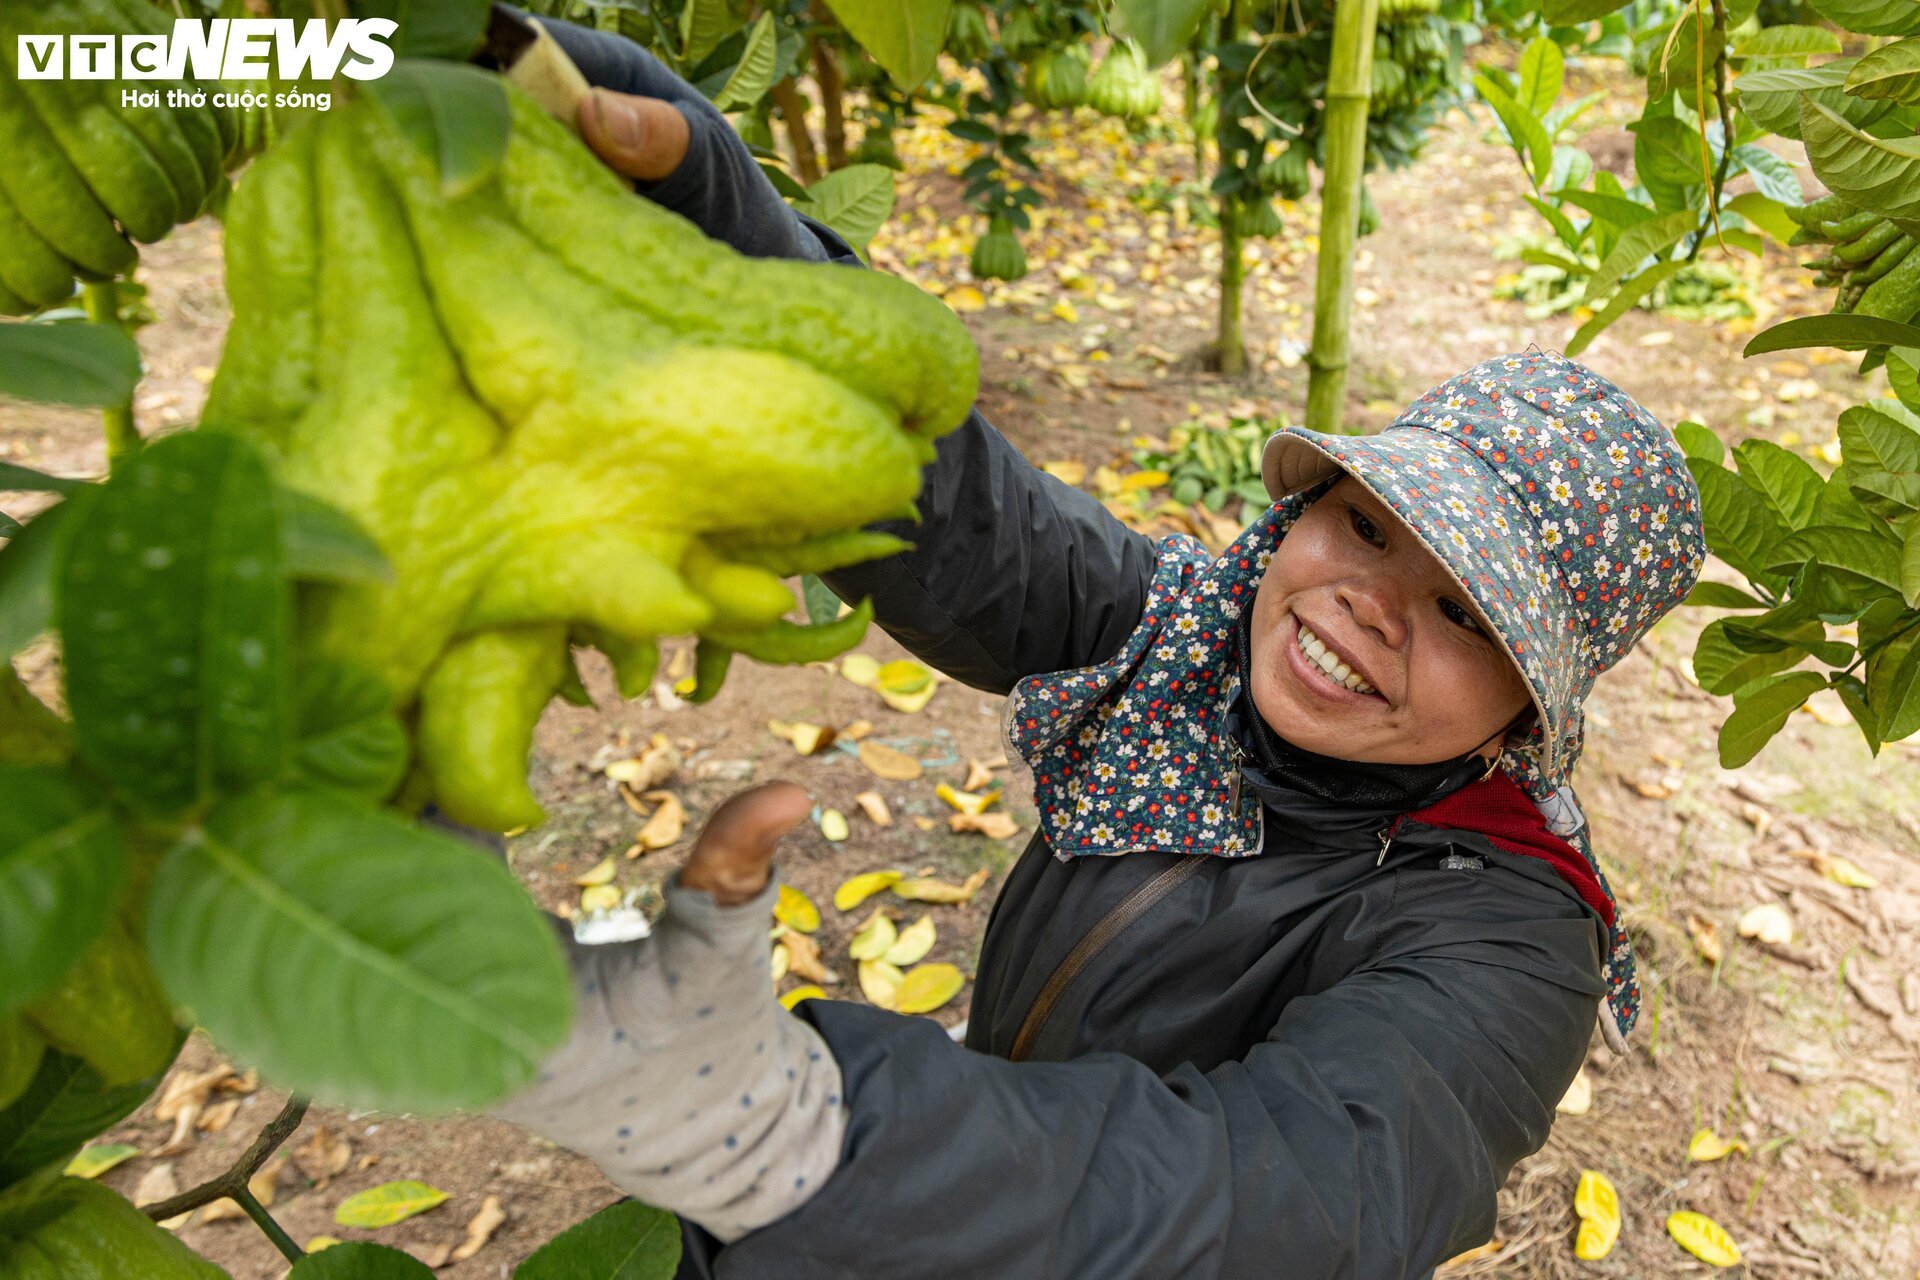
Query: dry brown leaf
x=1837, y=869
x=159, y=1183
x=925, y=824
x=1579, y=1097
x=224, y=1209
x=874, y=805
x=1651, y=790
x=998, y=825
x=436, y=1256
x=218, y=1116
x=804, y=959
x=1486, y=1250
x=1706, y=938
x=184, y=1098
x=667, y=824
x=602, y=872
x=600, y=899
x=367, y=1162
x=481, y=1228
x=240, y=1084
x=679, y=663
x=924, y=889
x=1066, y=471
x=857, y=730
x=811, y=739
x=324, y=1155
x=1769, y=923
x=979, y=775
x=884, y=762
x=650, y=768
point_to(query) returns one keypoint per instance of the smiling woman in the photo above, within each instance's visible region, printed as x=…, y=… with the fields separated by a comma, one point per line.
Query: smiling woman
x=1351, y=595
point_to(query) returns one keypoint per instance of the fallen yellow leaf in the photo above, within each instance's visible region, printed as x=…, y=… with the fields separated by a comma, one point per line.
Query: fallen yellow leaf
x=1706, y=938
x=927, y=987
x=798, y=994
x=924, y=823
x=863, y=886
x=650, y=768
x=1064, y=310
x=927, y=889
x=874, y=938
x=804, y=958
x=779, y=961
x=1708, y=1145
x=1579, y=1096
x=857, y=730
x=833, y=825
x=1837, y=869
x=908, y=703
x=810, y=739
x=92, y=1161
x=903, y=675
x=880, y=982
x=602, y=873
x=795, y=910
x=1768, y=922
x=388, y=1203
x=999, y=826
x=320, y=1244
x=1144, y=480
x=1066, y=471
x=965, y=298
x=481, y=1228
x=884, y=762
x=912, y=944
x=861, y=669
x=666, y=825
x=1598, y=1205
x=600, y=898
x=966, y=801
x=1704, y=1238
x=1486, y=1250
x=874, y=805
x=980, y=773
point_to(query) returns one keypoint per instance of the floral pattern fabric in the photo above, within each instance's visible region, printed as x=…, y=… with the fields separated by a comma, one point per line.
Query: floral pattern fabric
x=1561, y=505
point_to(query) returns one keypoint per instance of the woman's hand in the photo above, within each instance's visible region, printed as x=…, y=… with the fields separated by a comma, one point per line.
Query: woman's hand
x=683, y=1078
x=644, y=138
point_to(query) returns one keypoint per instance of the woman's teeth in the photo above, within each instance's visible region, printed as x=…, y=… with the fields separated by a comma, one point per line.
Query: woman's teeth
x=1323, y=657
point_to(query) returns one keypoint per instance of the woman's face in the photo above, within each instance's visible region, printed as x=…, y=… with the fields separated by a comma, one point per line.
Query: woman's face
x=1363, y=586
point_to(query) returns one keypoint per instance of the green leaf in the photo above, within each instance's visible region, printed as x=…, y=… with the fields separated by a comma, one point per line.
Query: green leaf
x=96, y=1159
x=1636, y=245
x=27, y=480
x=388, y=1203
x=1740, y=527
x=1839, y=507
x=1895, y=689
x=1561, y=224
x=426, y=979
x=1903, y=377
x=1567, y=13
x=85, y=365
x=855, y=201
x=1543, y=70
x=1667, y=160
x=1876, y=175
x=1623, y=301
x=904, y=36
x=1853, y=695
x=822, y=605
x=1696, y=441
x=1561, y=118
x=73, y=1229
x=1872, y=18
x=1524, y=130
x=703, y=25
x=1616, y=211
x=360, y=1260
x=62, y=862
x=431, y=28
x=624, y=1241
x=753, y=74
x=1883, y=437
x=783, y=183
x=1891, y=73
x=1910, y=570
x=66, y=1104
x=1772, y=98
x=1786, y=480
x=174, y=614
x=27, y=566
x=455, y=115
x=1849, y=333
x=1761, y=710
x=349, y=736
x=1852, y=551
x=1720, y=595
x=1768, y=215
x=1772, y=176
x=324, y=544
x=1786, y=41
x=1163, y=27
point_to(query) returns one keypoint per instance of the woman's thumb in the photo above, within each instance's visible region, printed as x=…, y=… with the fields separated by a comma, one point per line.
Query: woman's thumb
x=735, y=847
x=643, y=138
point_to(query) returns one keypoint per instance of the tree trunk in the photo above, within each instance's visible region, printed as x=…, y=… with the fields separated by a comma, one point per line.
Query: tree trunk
x=1190, y=81
x=1230, y=349
x=793, y=109
x=1349, y=86
x=826, y=73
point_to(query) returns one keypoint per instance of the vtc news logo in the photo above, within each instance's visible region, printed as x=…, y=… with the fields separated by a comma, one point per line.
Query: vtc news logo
x=217, y=49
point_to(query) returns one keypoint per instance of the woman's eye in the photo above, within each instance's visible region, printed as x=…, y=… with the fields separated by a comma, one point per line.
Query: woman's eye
x=1456, y=613
x=1364, y=527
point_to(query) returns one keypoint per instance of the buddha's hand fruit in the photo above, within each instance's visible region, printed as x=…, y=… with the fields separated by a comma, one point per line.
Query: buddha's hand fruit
x=85, y=173
x=564, y=414
x=1123, y=87
x=72, y=1229
x=997, y=255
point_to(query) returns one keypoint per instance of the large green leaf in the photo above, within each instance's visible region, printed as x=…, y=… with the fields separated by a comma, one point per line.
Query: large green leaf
x=27, y=565
x=1740, y=527
x=88, y=365
x=175, y=616
x=1866, y=556
x=1849, y=333
x=1523, y=127
x=1616, y=211
x=1668, y=161
x=1768, y=215
x=62, y=861
x=1892, y=72
x=1638, y=243
x=66, y=1104
x=349, y=736
x=73, y=1229
x=1872, y=17
x=323, y=543
x=753, y=75
x=703, y=25
x=1910, y=570
x=360, y=1260
x=1903, y=376
x=1787, y=41
x=455, y=115
x=1722, y=663
x=1787, y=481
x=1877, y=175
x=1623, y=301
x=904, y=36
x=431, y=28
x=1761, y=710
x=1772, y=176
x=624, y=1241
x=1543, y=70
x=1883, y=436
x=855, y=201
x=1772, y=97
x=1721, y=595
x=1567, y=13
x=357, y=958
x=1163, y=27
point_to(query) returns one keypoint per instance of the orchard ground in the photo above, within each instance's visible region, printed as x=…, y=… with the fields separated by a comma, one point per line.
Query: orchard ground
x=1809, y=1053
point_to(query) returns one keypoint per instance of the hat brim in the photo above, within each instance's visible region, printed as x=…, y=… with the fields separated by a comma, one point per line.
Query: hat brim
x=1474, y=524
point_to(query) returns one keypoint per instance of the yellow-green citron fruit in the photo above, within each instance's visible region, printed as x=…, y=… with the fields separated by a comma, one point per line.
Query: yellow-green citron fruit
x=21, y=1048
x=562, y=412
x=109, y=1010
x=74, y=1229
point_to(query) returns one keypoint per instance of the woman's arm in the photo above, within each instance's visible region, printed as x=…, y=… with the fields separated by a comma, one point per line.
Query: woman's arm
x=1364, y=1140
x=1011, y=572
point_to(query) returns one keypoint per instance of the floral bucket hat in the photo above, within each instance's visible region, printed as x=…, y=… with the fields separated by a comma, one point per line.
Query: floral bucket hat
x=1562, y=507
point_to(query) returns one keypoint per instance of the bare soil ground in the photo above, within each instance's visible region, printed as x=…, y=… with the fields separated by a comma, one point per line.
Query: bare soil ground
x=1810, y=1054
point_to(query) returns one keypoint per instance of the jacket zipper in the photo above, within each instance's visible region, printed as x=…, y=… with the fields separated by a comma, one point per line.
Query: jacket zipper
x=1129, y=909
